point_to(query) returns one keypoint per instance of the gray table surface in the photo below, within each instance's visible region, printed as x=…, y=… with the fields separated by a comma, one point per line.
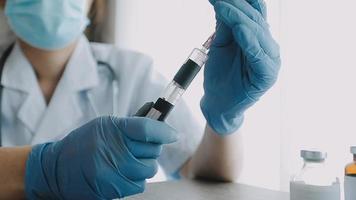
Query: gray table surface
x=194, y=190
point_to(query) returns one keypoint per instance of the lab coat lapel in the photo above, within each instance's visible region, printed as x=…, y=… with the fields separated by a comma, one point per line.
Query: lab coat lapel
x=31, y=111
x=19, y=76
x=64, y=112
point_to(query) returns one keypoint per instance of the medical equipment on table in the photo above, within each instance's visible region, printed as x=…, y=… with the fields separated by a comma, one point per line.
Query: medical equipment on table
x=350, y=177
x=181, y=81
x=314, y=181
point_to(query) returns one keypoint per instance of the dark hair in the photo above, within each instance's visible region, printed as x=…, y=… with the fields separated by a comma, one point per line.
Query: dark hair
x=97, y=14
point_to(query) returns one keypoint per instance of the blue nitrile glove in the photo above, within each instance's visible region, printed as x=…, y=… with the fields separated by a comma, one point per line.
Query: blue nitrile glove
x=243, y=64
x=105, y=159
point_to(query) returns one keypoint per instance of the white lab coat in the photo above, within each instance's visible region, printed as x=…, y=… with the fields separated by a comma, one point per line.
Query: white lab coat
x=87, y=90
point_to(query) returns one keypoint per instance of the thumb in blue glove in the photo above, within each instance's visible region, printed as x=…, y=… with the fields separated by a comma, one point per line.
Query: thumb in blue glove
x=243, y=63
x=105, y=159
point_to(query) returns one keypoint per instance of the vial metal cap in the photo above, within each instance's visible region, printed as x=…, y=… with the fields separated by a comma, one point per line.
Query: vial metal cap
x=353, y=150
x=313, y=155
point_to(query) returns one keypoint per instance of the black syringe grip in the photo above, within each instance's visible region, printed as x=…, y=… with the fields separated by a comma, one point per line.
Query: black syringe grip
x=161, y=105
x=164, y=107
x=187, y=73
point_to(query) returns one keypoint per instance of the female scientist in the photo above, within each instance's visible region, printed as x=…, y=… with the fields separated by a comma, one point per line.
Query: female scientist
x=53, y=81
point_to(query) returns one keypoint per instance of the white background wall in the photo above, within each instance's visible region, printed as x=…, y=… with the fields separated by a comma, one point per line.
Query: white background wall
x=318, y=81
x=312, y=105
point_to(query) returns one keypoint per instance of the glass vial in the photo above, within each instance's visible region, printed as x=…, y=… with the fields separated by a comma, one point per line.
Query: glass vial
x=350, y=177
x=314, y=181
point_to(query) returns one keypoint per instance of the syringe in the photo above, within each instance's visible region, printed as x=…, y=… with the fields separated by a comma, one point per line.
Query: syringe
x=181, y=81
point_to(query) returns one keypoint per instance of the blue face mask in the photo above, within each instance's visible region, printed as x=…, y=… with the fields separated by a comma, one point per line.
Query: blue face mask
x=47, y=24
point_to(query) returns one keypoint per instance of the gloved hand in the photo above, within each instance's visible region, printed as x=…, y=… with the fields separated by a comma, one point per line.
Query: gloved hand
x=243, y=64
x=105, y=159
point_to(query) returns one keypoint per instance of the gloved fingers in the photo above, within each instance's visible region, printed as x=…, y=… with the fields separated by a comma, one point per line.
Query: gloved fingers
x=234, y=17
x=213, y=2
x=143, y=149
x=258, y=83
x=110, y=183
x=147, y=130
x=244, y=7
x=151, y=167
x=259, y=5
x=119, y=186
x=141, y=169
x=223, y=35
x=138, y=187
x=263, y=68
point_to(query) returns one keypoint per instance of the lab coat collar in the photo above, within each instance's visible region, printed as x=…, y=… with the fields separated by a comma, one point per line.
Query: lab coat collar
x=18, y=73
x=80, y=73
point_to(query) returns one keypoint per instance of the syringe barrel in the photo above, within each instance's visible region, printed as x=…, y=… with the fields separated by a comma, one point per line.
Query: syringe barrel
x=166, y=102
x=173, y=92
x=179, y=84
x=190, y=68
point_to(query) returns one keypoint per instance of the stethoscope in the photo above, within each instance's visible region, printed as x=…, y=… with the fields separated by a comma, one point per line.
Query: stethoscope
x=3, y=59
